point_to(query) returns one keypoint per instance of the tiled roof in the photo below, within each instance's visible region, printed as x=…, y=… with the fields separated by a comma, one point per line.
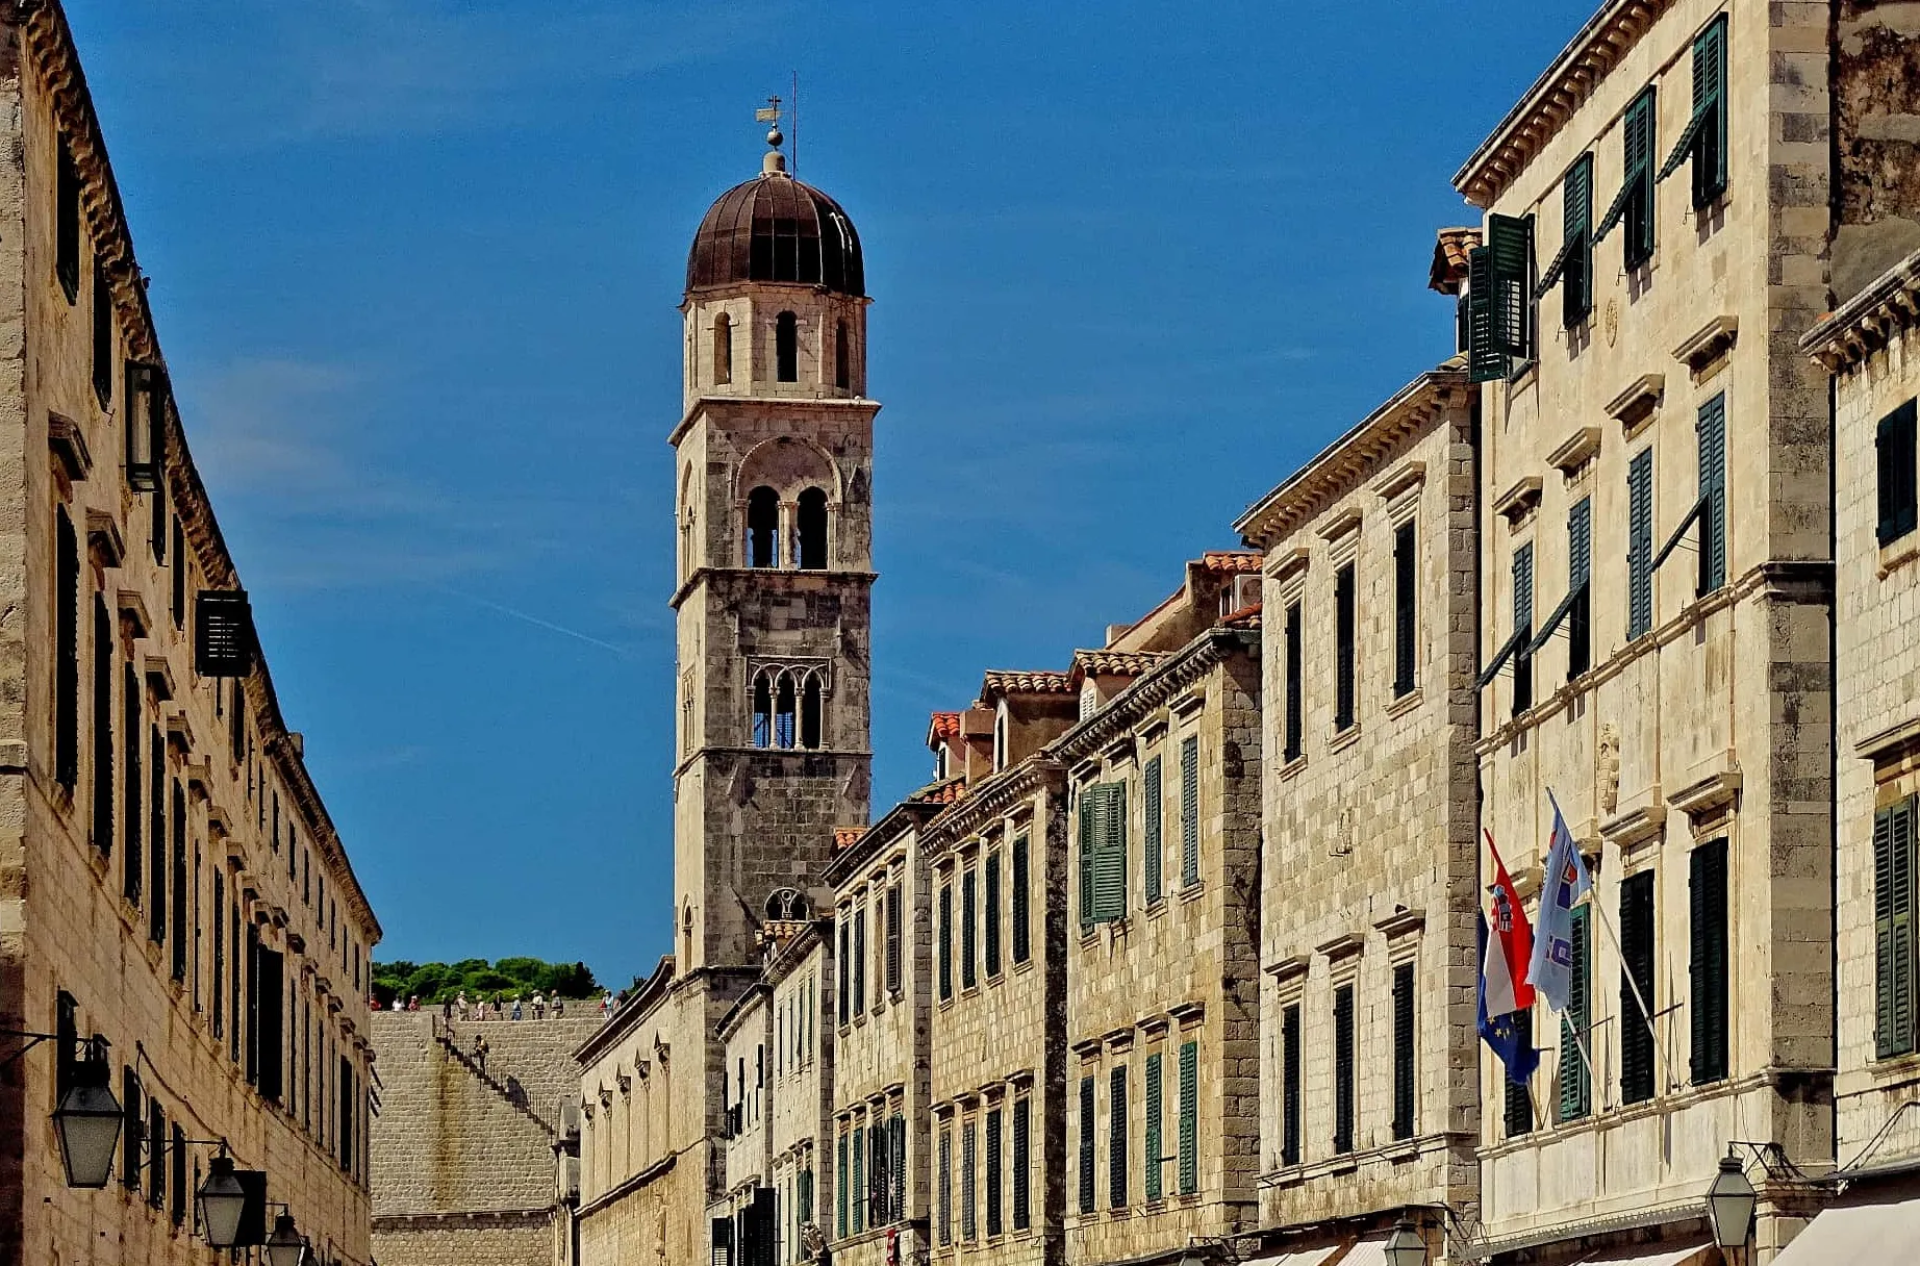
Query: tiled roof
x=1014, y=682
x=1247, y=617
x=847, y=836
x=1105, y=663
x=1450, y=251
x=1230, y=560
x=942, y=792
x=945, y=725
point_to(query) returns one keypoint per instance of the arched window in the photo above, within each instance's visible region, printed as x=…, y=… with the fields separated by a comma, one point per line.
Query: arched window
x=788, y=905
x=763, y=527
x=762, y=711
x=842, y=369
x=686, y=932
x=783, y=709
x=786, y=347
x=810, y=712
x=723, y=348
x=812, y=527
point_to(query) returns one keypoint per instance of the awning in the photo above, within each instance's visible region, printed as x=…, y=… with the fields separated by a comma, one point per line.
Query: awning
x=1296, y=1257
x=1647, y=1255
x=1863, y=1233
x=1367, y=1253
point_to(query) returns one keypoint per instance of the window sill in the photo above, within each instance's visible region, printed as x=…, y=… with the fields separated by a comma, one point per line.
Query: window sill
x=1293, y=767
x=1406, y=703
x=1898, y=552
x=1193, y=891
x=1343, y=739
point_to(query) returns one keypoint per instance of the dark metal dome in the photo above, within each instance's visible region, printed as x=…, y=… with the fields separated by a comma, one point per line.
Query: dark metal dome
x=773, y=228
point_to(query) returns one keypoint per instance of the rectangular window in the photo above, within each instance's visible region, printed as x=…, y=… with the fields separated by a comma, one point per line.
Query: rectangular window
x=969, y=1169
x=1103, y=853
x=1576, y=1086
x=945, y=1192
x=1290, y=1084
x=856, y=1214
x=1117, y=1137
x=1150, y=1169
x=1712, y=431
x=177, y=1202
x=1022, y=941
x=1296, y=713
x=180, y=890
x=133, y=724
x=1343, y=632
x=846, y=967
x=946, y=942
x=1572, y=269
x=102, y=727
x=1022, y=1163
x=1500, y=300
x=156, y=1154
x=66, y=633
x=1893, y=867
x=860, y=960
x=1152, y=785
x=1634, y=204
x=157, y=836
x=1343, y=1069
x=990, y=916
x=1899, y=482
x=66, y=214
x=969, y=916
x=1086, y=1145
x=1406, y=609
x=1580, y=587
x=269, y=1018
x=1637, y=950
x=1403, y=1051
x=103, y=338
x=1189, y=811
x=1704, y=141
x=1523, y=628
x=1189, y=1118
x=131, y=1117
x=995, y=1217
x=179, y=575
x=1640, y=544
x=1707, y=968
x=1519, y=1105
x=893, y=939
x=219, y=952
x=841, y=1184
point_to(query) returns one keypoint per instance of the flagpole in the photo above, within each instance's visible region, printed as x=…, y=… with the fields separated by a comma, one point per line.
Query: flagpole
x=1593, y=1078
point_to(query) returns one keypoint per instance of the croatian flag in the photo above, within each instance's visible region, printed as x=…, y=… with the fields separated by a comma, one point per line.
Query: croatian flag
x=1506, y=942
x=1566, y=881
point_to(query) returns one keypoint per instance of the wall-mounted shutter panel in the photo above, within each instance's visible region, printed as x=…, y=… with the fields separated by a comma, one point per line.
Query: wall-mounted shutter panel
x=1296, y=711
x=1089, y=848
x=1117, y=1137
x=1344, y=597
x=1152, y=1149
x=1110, y=869
x=157, y=835
x=1403, y=1051
x=1405, y=607
x=893, y=939
x=1893, y=899
x=946, y=941
x=1519, y=1097
x=1576, y=214
x=1086, y=1145
x=860, y=960
x=1638, y=141
x=995, y=1219
x=103, y=788
x=846, y=966
x=1576, y=1093
x=1580, y=587
x=1637, y=949
x=1019, y=905
x=1899, y=480
x=1290, y=1085
x=1343, y=1069
x=1486, y=361
x=856, y=1221
x=969, y=1170
x=1710, y=109
x=840, y=1184
x=1707, y=966
x=131, y=1116
x=1712, y=428
x=131, y=782
x=181, y=893
x=1523, y=628
x=1022, y=1163
x=1190, y=810
x=66, y=717
x=990, y=914
x=1189, y=1118
x=1640, y=544
x=969, y=924
x=1152, y=782
x=1510, y=256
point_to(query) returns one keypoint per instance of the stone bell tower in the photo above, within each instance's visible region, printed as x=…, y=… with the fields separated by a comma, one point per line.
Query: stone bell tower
x=774, y=481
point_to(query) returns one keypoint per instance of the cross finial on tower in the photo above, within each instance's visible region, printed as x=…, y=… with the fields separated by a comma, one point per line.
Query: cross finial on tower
x=770, y=114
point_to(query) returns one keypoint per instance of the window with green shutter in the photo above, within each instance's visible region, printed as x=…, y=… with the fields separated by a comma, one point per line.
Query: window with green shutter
x=1576, y=1087
x=1893, y=867
x=1152, y=783
x=1519, y=1104
x=856, y=1222
x=1637, y=955
x=1405, y=608
x=846, y=970
x=1711, y=430
x=1290, y=1084
x=1572, y=268
x=990, y=916
x=1403, y=1051
x=1103, y=853
x=1580, y=590
x=1640, y=543
x=1086, y=1145
x=1189, y=1118
x=894, y=917
x=1117, y=1137
x=860, y=961
x=946, y=942
x=1150, y=1151
x=1343, y=1069
x=1704, y=141
x=1707, y=966
x=1190, y=811
x=995, y=1217
x=1022, y=1163
x=969, y=914
x=1344, y=595
x=1634, y=205
x=969, y=1170
x=1500, y=300
x=1898, y=479
x=945, y=1184
x=1523, y=628
x=1295, y=709
x=840, y=1186
x=1022, y=941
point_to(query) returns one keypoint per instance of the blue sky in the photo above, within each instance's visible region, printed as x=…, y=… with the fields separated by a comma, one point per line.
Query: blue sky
x=416, y=264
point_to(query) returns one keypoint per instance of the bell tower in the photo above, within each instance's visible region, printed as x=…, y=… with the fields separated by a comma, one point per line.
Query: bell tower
x=773, y=510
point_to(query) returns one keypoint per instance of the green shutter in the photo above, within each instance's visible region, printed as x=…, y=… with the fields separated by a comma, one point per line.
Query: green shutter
x=1290, y=1085
x=1403, y=1051
x=1707, y=965
x=1150, y=1150
x=1638, y=143
x=1343, y=1069
x=1021, y=941
x=1576, y=215
x=1519, y=1096
x=994, y=1220
x=969, y=923
x=1117, y=1137
x=1086, y=1145
x=1344, y=597
x=1894, y=452
x=1022, y=1163
x=946, y=941
x=1523, y=628
x=1152, y=784
x=840, y=1189
x=990, y=913
x=1110, y=853
x=1712, y=434
x=1893, y=864
x=1576, y=1092
x=856, y=1222
x=1089, y=847
x=1189, y=1117
x=1486, y=361
x=1510, y=260
x=1405, y=607
x=1640, y=544
x=1637, y=1072
x=1295, y=706
x=1190, y=811
x=945, y=1193
x=1710, y=107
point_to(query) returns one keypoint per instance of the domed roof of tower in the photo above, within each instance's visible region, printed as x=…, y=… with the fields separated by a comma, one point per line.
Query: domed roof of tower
x=774, y=228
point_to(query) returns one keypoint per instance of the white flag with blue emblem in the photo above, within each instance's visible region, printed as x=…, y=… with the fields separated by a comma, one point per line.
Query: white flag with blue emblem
x=1565, y=882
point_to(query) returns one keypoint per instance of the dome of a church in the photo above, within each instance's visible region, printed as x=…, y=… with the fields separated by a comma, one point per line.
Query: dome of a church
x=774, y=228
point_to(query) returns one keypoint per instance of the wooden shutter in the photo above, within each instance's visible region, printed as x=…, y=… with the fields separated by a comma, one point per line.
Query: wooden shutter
x=1110, y=854
x=1894, y=450
x=856, y=1186
x=1580, y=587
x=860, y=960
x=1403, y=1051
x=995, y=1222
x=1152, y=1147
x=1523, y=628
x=1021, y=938
x=946, y=1187
x=1343, y=633
x=130, y=1119
x=1710, y=112
x=131, y=725
x=1343, y=1069
x=1707, y=966
x=1711, y=427
x=969, y=935
x=1519, y=1104
x=1022, y=1163
x=156, y=1153
x=1152, y=780
x=840, y=1183
x=846, y=967
x=1640, y=543
x=1510, y=260
x=156, y=835
x=179, y=879
x=1893, y=858
x=946, y=941
x=1405, y=607
x=1086, y=1145
x=1639, y=163
x=1190, y=811
x=1576, y=1091
x=1117, y=1137
x=103, y=638
x=1290, y=1085
x=990, y=914
x=1637, y=951
x=1486, y=362
x=66, y=624
x=893, y=939
x=1089, y=848
x=1296, y=713
x=1576, y=216
x=1189, y=1118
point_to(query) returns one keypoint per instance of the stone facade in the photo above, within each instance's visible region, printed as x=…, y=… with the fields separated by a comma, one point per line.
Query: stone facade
x=1367, y=913
x=802, y=979
x=463, y=1151
x=172, y=881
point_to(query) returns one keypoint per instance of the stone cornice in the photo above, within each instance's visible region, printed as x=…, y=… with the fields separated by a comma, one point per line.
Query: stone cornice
x=763, y=404
x=1867, y=321
x=900, y=819
x=1165, y=683
x=631, y=1012
x=989, y=800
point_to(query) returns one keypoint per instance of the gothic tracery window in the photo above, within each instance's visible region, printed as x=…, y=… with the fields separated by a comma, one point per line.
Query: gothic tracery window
x=789, y=706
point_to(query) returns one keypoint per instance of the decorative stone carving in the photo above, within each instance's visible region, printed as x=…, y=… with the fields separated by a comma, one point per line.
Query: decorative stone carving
x=1606, y=769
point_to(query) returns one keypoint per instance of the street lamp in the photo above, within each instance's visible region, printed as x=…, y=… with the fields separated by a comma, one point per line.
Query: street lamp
x=88, y=1123
x=1405, y=1247
x=223, y=1202
x=1730, y=1201
x=286, y=1246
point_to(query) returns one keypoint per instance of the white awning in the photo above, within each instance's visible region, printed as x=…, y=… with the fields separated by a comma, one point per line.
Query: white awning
x=1367, y=1253
x=1646, y=1255
x=1296, y=1257
x=1863, y=1233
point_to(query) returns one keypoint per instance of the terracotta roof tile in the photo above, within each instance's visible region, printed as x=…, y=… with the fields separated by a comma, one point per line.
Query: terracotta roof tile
x=1450, y=251
x=1230, y=560
x=945, y=725
x=947, y=792
x=847, y=836
x=1105, y=663
x=1247, y=617
x=1008, y=681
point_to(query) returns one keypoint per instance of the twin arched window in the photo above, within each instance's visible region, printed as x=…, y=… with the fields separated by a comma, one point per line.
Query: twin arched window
x=809, y=530
x=788, y=707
